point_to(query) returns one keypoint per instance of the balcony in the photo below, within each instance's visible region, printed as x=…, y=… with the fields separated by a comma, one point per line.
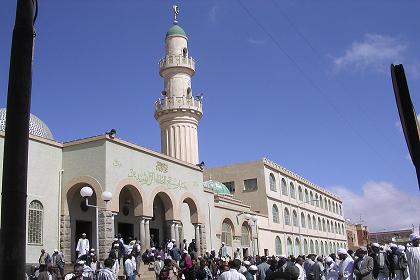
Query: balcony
x=176, y=61
x=182, y=102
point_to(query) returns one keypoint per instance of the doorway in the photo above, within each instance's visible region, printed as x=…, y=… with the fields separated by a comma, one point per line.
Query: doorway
x=154, y=237
x=83, y=227
x=245, y=252
x=126, y=230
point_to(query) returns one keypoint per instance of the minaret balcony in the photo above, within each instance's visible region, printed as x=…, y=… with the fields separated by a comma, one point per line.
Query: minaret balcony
x=192, y=104
x=176, y=61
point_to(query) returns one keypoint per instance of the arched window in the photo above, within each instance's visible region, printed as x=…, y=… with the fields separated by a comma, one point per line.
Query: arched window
x=35, y=220
x=227, y=232
x=311, y=197
x=297, y=247
x=317, y=247
x=302, y=220
x=245, y=236
x=329, y=205
x=334, y=208
x=342, y=229
x=305, y=246
x=319, y=224
x=314, y=223
x=277, y=242
x=286, y=216
x=335, y=228
x=341, y=211
x=325, y=204
x=272, y=182
x=292, y=190
x=289, y=247
x=324, y=227
x=283, y=187
x=317, y=200
x=306, y=196
x=326, y=248
x=295, y=219
x=300, y=193
x=321, y=202
x=275, y=212
x=328, y=226
x=322, y=249
x=309, y=222
x=312, y=247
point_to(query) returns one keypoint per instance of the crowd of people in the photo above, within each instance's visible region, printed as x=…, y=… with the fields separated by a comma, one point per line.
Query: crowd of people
x=382, y=262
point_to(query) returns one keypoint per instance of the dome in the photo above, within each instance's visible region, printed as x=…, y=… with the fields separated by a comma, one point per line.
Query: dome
x=176, y=30
x=36, y=126
x=217, y=187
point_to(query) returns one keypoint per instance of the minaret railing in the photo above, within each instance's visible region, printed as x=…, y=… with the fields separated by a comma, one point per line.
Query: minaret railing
x=179, y=102
x=177, y=60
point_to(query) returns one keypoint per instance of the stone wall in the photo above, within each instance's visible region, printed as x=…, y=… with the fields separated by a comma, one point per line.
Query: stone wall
x=106, y=233
x=65, y=237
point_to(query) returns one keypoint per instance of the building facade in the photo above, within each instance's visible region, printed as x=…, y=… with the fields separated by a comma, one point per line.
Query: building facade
x=400, y=237
x=159, y=196
x=296, y=215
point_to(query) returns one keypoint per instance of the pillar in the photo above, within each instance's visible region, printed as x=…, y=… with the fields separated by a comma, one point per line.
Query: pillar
x=177, y=242
x=172, y=231
x=65, y=236
x=147, y=234
x=142, y=234
x=197, y=238
x=106, y=233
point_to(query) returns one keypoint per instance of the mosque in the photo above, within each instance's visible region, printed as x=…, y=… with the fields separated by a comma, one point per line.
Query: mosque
x=256, y=207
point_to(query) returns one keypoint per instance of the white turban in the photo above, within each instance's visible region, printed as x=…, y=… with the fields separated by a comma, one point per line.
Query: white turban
x=247, y=263
x=376, y=245
x=242, y=269
x=414, y=236
x=253, y=267
x=400, y=249
x=328, y=259
x=341, y=251
x=392, y=245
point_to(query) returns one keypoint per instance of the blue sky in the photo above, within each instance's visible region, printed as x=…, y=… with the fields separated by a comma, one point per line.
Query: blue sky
x=303, y=83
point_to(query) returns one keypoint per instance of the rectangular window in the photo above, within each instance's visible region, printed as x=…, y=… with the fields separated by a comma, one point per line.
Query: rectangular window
x=250, y=184
x=230, y=186
x=35, y=226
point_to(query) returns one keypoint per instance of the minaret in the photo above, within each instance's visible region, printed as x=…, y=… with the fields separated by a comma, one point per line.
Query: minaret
x=178, y=112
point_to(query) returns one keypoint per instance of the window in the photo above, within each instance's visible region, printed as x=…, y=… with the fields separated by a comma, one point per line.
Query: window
x=184, y=52
x=314, y=222
x=297, y=247
x=306, y=196
x=334, y=208
x=319, y=224
x=317, y=200
x=311, y=197
x=341, y=211
x=230, y=186
x=329, y=205
x=328, y=226
x=292, y=190
x=305, y=247
x=322, y=249
x=324, y=227
x=272, y=182
x=316, y=247
x=295, y=219
x=275, y=212
x=289, y=247
x=302, y=220
x=245, y=236
x=283, y=187
x=277, y=242
x=227, y=232
x=312, y=247
x=325, y=204
x=286, y=216
x=300, y=193
x=321, y=202
x=309, y=222
x=251, y=184
x=35, y=219
x=326, y=248
x=342, y=229
x=331, y=248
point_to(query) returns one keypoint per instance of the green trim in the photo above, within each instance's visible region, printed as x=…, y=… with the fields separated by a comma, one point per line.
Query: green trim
x=176, y=30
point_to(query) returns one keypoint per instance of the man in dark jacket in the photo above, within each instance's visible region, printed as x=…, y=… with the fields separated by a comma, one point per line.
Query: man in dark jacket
x=363, y=266
x=380, y=262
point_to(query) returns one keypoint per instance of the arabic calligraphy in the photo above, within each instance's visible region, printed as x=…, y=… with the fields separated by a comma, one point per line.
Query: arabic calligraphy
x=147, y=178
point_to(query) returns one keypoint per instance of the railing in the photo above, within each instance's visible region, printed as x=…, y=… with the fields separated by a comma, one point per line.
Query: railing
x=176, y=60
x=181, y=102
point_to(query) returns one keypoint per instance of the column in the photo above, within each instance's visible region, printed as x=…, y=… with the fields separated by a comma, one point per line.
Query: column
x=172, y=231
x=106, y=233
x=65, y=237
x=197, y=238
x=142, y=234
x=147, y=234
x=177, y=235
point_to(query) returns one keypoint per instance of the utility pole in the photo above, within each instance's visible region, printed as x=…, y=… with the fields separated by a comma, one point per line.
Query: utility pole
x=15, y=159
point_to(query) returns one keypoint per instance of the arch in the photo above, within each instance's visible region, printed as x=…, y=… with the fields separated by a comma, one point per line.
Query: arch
x=321, y=202
x=286, y=216
x=314, y=223
x=245, y=235
x=316, y=247
x=284, y=187
x=341, y=210
x=171, y=209
x=306, y=195
x=275, y=212
x=322, y=248
x=331, y=248
x=317, y=200
x=292, y=190
x=227, y=232
x=319, y=224
x=272, y=181
x=195, y=212
x=329, y=205
x=74, y=185
x=305, y=247
x=297, y=247
x=311, y=197
x=324, y=227
x=277, y=244
x=342, y=229
x=326, y=248
x=35, y=222
x=300, y=193
x=328, y=226
x=312, y=248
x=289, y=246
x=335, y=228
x=309, y=222
x=325, y=203
x=136, y=192
x=168, y=206
x=295, y=218
x=302, y=220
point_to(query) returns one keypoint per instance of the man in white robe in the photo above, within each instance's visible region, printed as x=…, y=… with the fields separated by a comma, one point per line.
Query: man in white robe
x=82, y=247
x=332, y=269
x=413, y=256
x=345, y=268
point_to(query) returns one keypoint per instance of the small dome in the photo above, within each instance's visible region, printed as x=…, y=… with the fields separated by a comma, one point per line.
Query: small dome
x=176, y=30
x=36, y=126
x=217, y=187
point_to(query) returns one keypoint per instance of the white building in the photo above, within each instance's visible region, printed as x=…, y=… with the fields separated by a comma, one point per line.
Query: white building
x=157, y=196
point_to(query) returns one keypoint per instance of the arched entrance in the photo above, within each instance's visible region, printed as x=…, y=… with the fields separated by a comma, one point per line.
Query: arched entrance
x=189, y=221
x=82, y=218
x=126, y=222
x=160, y=224
x=246, y=239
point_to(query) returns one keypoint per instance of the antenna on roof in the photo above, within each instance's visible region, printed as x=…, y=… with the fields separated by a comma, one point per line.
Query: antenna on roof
x=175, y=8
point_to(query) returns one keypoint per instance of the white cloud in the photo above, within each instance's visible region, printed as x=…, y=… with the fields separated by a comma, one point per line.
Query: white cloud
x=213, y=13
x=254, y=41
x=375, y=52
x=381, y=205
